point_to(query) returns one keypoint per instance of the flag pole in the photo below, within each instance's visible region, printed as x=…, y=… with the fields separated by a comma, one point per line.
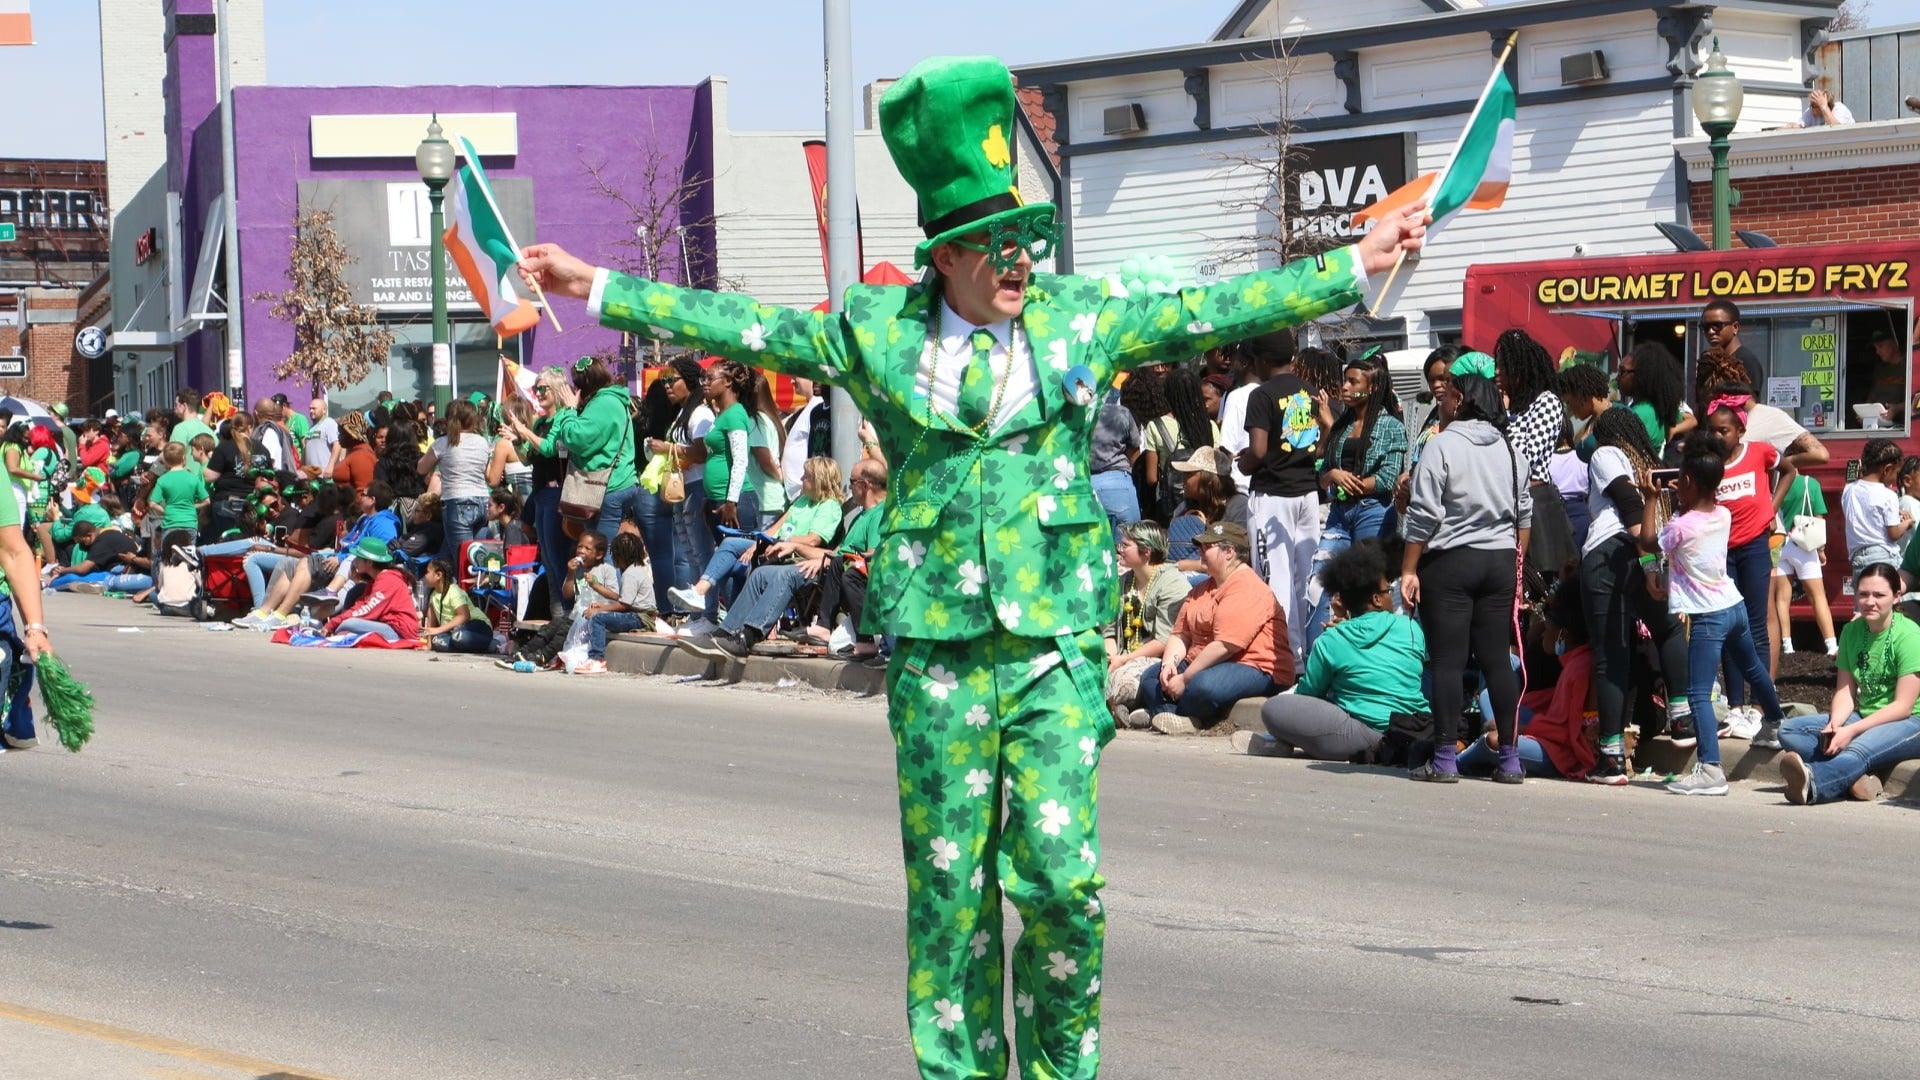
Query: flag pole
x=542, y=298
x=1499, y=65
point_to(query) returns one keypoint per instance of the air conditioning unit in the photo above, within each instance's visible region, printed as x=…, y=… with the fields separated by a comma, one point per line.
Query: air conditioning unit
x=1586, y=67
x=1129, y=119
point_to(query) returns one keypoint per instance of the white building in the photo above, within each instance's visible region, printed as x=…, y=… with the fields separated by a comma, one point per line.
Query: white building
x=1159, y=149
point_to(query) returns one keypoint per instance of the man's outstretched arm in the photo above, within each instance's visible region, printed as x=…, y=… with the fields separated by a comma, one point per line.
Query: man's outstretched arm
x=810, y=344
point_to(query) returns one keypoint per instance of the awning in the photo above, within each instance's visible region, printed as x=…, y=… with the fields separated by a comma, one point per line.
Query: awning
x=1747, y=310
x=201, y=298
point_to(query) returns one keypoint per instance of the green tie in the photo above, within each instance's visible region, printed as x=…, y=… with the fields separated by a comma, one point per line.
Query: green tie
x=976, y=386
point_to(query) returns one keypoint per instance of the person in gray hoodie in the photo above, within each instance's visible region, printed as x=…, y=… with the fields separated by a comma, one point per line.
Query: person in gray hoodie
x=1467, y=522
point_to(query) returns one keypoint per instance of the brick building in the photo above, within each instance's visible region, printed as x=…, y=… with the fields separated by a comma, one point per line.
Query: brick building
x=50, y=278
x=1817, y=185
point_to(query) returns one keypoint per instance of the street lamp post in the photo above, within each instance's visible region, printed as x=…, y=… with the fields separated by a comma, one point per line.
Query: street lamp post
x=435, y=160
x=1716, y=104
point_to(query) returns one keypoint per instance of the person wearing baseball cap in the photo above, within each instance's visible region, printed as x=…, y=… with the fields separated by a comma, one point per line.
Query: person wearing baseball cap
x=1229, y=642
x=994, y=569
x=1210, y=494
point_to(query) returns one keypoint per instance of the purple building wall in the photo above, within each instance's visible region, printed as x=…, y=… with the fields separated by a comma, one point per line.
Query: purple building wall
x=561, y=128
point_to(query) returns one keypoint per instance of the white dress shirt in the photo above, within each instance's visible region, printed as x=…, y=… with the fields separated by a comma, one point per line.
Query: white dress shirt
x=955, y=354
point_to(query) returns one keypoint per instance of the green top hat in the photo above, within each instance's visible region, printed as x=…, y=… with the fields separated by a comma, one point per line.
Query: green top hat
x=948, y=124
x=374, y=550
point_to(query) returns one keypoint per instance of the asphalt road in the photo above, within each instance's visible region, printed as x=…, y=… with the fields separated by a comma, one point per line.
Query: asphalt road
x=367, y=865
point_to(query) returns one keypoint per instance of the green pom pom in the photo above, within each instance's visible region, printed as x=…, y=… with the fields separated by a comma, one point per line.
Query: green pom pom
x=69, y=703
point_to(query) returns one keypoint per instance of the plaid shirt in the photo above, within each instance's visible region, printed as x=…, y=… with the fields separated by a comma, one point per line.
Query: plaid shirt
x=1536, y=432
x=1386, y=456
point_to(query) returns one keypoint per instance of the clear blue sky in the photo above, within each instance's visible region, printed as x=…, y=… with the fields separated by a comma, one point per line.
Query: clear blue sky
x=769, y=49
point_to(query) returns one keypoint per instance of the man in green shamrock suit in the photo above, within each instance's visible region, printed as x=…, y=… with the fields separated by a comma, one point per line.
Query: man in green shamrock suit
x=995, y=568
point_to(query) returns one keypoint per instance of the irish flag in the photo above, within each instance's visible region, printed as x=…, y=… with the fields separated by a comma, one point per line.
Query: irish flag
x=1477, y=174
x=515, y=380
x=16, y=23
x=480, y=245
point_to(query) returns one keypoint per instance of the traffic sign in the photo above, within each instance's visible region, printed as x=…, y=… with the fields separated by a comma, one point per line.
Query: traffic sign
x=13, y=367
x=6, y=231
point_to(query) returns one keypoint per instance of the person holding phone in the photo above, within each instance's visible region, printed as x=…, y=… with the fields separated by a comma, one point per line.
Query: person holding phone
x=1872, y=723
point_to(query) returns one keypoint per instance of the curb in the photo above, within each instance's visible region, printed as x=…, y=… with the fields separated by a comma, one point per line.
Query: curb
x=638, y=654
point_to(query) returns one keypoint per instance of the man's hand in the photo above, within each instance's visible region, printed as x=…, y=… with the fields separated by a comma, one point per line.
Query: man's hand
x=554, y=272
x=1401, y=231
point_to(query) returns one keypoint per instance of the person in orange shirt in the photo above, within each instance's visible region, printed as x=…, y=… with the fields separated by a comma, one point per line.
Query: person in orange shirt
x=1230, y=642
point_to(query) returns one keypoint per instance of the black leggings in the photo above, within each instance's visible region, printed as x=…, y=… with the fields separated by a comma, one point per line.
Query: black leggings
x=843, y=590
x=1613, y=589
x=1467, y=609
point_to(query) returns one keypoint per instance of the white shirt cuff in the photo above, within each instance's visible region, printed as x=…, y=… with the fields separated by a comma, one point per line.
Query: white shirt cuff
x=600, y=278
x=1359, y=271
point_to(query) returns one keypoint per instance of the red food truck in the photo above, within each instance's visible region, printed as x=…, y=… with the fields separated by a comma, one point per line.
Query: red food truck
x=1811, y=314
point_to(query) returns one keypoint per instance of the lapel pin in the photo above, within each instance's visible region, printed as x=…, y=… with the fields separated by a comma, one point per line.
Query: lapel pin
x=1079, y=384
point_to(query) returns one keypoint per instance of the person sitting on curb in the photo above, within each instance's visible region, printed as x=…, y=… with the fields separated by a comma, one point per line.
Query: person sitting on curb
x=386, y=607
x=588, y=584
x=1874, y=722
x=633, y=609
x=110, y=552
x=770, y=589
x=1151, y=592
x=1229, y=642
x=291, y=579
x=813, y=521
x=1559, y=722
x=843, y=576
x=1365, y=668
x=450, y=625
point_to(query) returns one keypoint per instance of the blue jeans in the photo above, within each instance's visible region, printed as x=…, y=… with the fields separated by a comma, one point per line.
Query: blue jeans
x=1347, y=522
x=617, y=507
x=17, y=723
x=551, y=538
x=726, y=571
x=1482, y=757
x=128, y=583
x=1751, y=567
x=609, y=622
x=260, y=567
x=1116, y=492
x=462, y=518
x=655, y=518
x=1210, y=695
x=232, y=547
x=367, y=626
x=1713, y=635
x=1874, y=749
x=692, y=540
x=472, y=636
x=768, y=593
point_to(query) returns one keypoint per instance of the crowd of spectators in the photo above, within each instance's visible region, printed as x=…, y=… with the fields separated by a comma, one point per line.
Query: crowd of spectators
x=1532, y=569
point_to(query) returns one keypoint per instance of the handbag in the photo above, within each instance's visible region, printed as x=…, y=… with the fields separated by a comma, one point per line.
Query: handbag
x=673, y=486
x=582, y=492
x=1809, y=530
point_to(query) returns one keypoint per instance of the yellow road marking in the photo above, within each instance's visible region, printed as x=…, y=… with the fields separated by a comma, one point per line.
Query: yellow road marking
x=157, y=1044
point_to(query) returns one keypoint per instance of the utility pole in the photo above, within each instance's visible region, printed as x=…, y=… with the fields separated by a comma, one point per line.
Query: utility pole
x=843, y=271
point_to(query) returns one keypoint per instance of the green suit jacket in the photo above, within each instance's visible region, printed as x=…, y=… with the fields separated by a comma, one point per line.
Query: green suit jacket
x=1002, y=529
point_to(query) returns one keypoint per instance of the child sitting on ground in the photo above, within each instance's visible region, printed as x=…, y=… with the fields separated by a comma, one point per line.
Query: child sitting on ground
x=450, y=624
x=1695, y=545
x=1875, y=523
x=589, y=581
x=632, y=609
x=386, y=607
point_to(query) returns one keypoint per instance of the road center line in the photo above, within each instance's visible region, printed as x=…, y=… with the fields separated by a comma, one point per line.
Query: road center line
x=157, y=1044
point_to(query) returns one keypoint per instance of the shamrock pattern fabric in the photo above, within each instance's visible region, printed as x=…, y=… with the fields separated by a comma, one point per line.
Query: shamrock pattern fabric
x=995, y=569
x=1000, y=530
x=998, y=739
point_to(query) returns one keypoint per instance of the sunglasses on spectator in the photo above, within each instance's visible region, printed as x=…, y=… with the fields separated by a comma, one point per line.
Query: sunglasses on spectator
x=1711, y=327
x=669, y=380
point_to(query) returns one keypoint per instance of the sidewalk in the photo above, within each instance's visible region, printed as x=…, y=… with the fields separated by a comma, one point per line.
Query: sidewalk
x=53, y=1046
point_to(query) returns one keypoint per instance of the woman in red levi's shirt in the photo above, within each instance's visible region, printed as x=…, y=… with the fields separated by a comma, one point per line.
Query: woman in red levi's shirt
x=1746, y=490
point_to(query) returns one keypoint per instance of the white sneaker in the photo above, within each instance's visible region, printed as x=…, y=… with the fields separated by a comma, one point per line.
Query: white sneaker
x=1703, y=780
x=1742, y=723
x=688, y=599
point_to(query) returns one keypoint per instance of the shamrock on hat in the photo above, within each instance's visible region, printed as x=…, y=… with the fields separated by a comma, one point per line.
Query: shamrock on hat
x=947, y=124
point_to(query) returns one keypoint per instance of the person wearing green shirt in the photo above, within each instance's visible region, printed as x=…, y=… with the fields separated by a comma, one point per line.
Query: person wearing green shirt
x=61, y=531
x=731, y=500
x=23, y=634
x=179, y=493
x=594, y=424
x=1872, y=724
x=1802, y=498
x=813, y=521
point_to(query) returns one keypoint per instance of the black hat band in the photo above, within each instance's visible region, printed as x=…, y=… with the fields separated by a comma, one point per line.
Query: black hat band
x=972, y=212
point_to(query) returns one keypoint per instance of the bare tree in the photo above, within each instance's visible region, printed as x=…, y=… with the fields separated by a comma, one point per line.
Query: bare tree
x=1851, y=15
x=336, y=342
x=655, y=198
x=1264, y=184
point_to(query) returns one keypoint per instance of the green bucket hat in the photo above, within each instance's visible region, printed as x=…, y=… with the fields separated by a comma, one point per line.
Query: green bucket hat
x=949, y=124
x=374, y=550
x=1472, y=363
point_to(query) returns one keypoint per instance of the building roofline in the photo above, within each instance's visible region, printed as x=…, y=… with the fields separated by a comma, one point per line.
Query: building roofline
x=1449, y=23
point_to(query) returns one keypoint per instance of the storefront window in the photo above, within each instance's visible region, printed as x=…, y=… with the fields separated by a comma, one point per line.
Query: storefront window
x=408, y=372
x=1828, y=369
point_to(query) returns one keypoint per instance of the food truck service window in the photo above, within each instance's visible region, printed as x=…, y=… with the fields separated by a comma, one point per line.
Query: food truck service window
x=1837, y=371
